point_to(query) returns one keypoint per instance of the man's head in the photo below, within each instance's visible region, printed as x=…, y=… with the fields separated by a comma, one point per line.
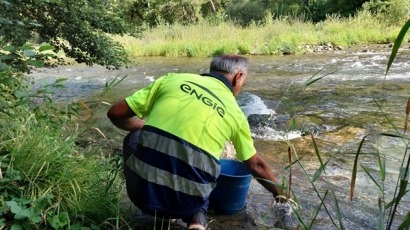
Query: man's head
x=234, y=67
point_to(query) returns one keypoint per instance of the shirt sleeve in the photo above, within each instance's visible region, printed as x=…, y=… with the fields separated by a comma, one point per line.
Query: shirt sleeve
x=243, y=142
x=141, y=101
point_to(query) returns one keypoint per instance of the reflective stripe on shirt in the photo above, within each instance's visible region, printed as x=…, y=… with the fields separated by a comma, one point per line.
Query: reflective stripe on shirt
x=169, y=161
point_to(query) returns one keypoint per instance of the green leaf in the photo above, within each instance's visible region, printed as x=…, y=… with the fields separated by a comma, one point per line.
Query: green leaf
x=354, y=171
x=382, y=167
x=46, y=47
x=30, y=53
x=21, y=94
x=5, y=21
x=317, y=152
x=313, y=219
x=58, y=221
x=404, y=173
x=79, y=226
x=36, y=63
x=36, y=219
x=381, y=221
x=16, y=227
x=2, y=222
x=25, y=213
x=9, y=57
x=406, y=222
x=319, y=171
x=4, y=67
x=60, y=80
x=339, y=214
x=371, y=177
x=9, y=48
x=14, y=206
x=397, y=44
x=20, y=23
x=27, y=46
x=35, y=24
x=402, y=191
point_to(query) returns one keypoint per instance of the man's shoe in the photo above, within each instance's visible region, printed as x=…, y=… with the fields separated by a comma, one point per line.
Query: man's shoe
x=198, y=222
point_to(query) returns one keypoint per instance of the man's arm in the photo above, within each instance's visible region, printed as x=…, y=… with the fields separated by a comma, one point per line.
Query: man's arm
x=123, y=117
x=261, y=170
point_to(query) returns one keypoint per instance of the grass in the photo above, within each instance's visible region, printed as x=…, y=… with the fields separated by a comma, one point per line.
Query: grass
x=205, y=38
x=47, y=179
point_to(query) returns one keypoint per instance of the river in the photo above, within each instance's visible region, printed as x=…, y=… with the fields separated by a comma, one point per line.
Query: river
x=351, y=99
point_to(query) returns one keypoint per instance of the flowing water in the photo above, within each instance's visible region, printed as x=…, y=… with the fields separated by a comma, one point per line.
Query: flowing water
x=353, y=98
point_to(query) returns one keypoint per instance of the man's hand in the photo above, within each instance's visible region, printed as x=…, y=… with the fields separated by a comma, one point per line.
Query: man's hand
x=265, y=176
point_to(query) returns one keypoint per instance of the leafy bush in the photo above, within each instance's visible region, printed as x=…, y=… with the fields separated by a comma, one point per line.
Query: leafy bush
x=46, y=180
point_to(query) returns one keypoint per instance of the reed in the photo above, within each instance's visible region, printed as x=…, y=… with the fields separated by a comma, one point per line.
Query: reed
x=388, y=208
x=388, y=203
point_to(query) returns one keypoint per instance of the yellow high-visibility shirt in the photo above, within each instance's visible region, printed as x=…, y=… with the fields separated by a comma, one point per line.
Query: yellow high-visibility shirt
x=200, y=109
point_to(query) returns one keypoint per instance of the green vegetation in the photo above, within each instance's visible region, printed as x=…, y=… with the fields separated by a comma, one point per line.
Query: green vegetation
x=47, y=179
x=259, y=27
x=77, y=28
x=272, y=37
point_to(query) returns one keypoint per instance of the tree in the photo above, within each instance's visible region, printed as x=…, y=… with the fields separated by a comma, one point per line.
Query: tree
x=153, y=12
x=319, y=9
x=77, y=27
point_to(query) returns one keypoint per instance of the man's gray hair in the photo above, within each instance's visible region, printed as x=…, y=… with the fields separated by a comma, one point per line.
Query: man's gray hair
x=230, y=64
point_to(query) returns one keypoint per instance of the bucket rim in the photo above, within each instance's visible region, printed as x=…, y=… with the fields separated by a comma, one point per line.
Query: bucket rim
x=244, y=175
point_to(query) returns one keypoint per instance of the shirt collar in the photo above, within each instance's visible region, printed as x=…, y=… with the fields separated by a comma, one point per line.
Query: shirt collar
x=220, y=77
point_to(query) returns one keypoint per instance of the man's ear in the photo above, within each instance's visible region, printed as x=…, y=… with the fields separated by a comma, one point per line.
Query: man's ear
x=237, y=77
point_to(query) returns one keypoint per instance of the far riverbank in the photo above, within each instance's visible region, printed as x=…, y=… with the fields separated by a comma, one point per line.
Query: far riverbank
x=278, y=37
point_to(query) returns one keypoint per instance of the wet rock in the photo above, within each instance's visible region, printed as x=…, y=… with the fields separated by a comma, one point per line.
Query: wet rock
x=282, y=215
x=338, y=48
x=306, y=124
x=268, y=121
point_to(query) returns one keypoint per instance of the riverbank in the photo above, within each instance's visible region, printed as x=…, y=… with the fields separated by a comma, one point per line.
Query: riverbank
x=275, y=37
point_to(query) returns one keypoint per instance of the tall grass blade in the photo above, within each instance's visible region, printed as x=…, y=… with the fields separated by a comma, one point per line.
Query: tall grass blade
x=338, y=213
x=295, y=162
x=382, y=167
x=82, y=103
x=113, y=83
x=406, y=222
x=388, y=118
x=394, y=135
x=381, y=213
x=354, y=171
x=322, y=203
x=317, y=152
x=322, y=199
x=402, y=176
x=402, y=192
x=301, y=222
x=319, y=171
x=406, y=120
x=396, y=45
x=312, y=79
x=290, y=173
x=372, y=178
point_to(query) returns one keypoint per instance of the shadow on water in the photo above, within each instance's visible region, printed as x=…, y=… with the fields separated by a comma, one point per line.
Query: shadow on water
x=339, y=109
